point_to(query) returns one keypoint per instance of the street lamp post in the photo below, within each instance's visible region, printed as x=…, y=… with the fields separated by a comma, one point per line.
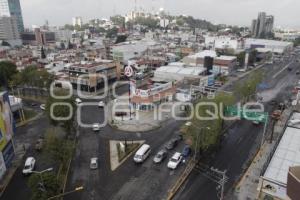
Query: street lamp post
x=66, y=193
x=41, y=177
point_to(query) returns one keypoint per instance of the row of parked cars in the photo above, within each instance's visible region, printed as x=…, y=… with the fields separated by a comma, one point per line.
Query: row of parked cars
x=145, y=150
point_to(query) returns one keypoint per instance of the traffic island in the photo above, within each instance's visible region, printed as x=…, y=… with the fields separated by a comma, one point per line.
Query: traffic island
x=120, y=151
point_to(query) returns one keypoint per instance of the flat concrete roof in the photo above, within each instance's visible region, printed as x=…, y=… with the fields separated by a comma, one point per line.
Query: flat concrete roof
x=286, y=155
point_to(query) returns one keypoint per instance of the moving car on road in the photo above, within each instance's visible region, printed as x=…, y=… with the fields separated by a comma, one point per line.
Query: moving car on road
x=175, y=161
x=29, y=166
x=160, y=156
x=142, y=154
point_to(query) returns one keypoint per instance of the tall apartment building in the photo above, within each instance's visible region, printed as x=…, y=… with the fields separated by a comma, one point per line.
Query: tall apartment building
x=9, y=30
x=77, y=21
x=12, y=8
x=262, y=27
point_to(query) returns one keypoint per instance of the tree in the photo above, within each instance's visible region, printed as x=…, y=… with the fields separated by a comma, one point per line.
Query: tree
x=297, y=42
x=245, y=90
x=121, y=38
x=179, y=22
x=241, y=58
x=149, y=22
x=252, y=57
x=7, y=71
x=33, y=77
x=5, y=43
x=43, y=54
x=118, y=20
x=112, y=33
x=61, y=111
x=62, y=45
x=43, y=186
x=70, y=45
x=201, y=137
x=57, y=148
x=69, y=27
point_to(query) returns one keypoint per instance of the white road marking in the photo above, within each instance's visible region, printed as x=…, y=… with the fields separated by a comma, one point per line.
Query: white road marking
x=282, y=70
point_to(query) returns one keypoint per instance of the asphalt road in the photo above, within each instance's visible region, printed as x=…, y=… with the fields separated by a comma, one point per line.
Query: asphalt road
x=243, y=140
x=27, y=136
x=148, y=181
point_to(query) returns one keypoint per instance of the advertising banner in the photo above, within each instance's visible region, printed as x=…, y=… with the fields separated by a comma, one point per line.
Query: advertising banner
x=2, y=166
x=7, y=125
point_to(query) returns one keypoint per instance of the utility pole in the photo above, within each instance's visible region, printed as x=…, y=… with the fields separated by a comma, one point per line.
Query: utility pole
x=221, y=182
x=216, y=176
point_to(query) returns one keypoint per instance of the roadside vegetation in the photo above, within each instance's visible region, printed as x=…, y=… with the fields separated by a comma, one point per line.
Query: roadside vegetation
x=59, y=146
x=129, y=148
x=205, y=135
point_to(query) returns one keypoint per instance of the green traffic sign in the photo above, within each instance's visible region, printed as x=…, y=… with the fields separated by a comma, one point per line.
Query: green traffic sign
x=246, y=114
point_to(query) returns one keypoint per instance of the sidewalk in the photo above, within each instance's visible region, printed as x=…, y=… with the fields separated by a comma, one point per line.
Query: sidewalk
x=141, y=121
x=247, y=188
x=238, y=77
x=19, y=154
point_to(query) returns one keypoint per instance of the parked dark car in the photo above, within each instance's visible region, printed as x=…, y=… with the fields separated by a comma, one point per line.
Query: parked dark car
x=186, y=151
x=39, y=144
x=172, y=144
x=178, y=137
x=160, y=156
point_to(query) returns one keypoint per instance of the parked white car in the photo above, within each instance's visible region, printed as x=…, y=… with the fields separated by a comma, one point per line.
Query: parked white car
x=94, y=163
x=142, y=154
x=43, y=107
x=101, y=104
x=96, y=127
x=29, y=165
x=175, y=161
x=78, y=101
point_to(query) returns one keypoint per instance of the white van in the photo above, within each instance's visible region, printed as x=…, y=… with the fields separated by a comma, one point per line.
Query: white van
x=142, y=154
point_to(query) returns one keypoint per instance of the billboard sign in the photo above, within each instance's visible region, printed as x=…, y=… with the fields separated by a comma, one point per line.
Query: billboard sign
x=2, y=166
x=7, y=125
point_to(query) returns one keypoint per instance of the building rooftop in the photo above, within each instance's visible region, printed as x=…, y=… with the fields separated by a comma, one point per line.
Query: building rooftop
x=181, y=70
x=286, y=155
x=267, y=42
x=205, y=53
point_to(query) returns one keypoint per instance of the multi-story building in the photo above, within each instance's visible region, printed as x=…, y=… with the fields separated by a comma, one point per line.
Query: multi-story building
x=262, y=27
x=293, y=183
x=9, y=30
x=63, y=35
x=38, y=37
x=12, y=8
x=77, y=21
x=88, y=77
x=280, y=177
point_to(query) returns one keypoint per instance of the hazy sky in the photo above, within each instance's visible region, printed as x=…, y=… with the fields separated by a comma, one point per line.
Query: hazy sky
x=235, y=12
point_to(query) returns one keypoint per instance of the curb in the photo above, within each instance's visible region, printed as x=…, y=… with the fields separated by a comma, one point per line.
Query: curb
x=29, y=120
x=10, y=176
x=125, y=159
x=142, y=131
x=238, y=182
x=69, y=166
